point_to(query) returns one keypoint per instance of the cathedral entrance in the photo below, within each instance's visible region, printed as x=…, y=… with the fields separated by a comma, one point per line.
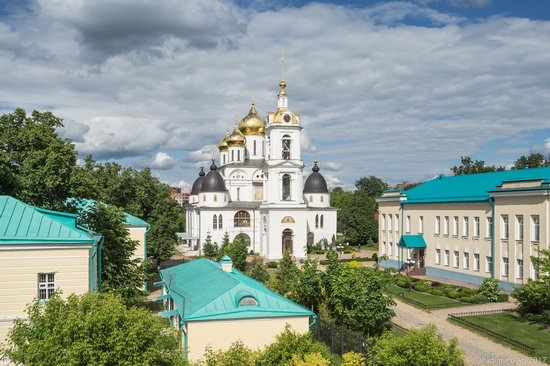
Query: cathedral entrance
x=287, y=241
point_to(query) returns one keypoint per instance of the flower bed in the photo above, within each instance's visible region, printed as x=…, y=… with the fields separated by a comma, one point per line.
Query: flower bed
x=453, y=292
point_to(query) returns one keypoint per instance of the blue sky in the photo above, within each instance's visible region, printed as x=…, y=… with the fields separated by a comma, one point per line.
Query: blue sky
x=396, y=89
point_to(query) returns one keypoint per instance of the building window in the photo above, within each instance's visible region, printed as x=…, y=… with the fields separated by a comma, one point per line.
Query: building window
x=215, y=222
x=465, y=226
x=286, y=187
x=476, y=262
x=446, y=258
x=437, y=225
x=46, y=285
x=488, y=264
x=241, y=219
x=220, y=222
x=438, y=256
x=466, y=261
x=488, y=227
x=317, y=221
x=254, y=147
x=477, y=226
x=232, y=155
x=322, y=221
x=238, y=155
x=390, y=223
x=396, y=223
x=505, y=266
x=223, y=157
x=519, y=227
x=456, y=259
x=286, y=147
x=504, y=229
x=322, y=198
x=446, y=226
x=215, y=198
x=420, y=224
x=535, y=228
x=390, y=248
x=238, y=194
x=383, y=222
x=203, y=198
x=408, y=224
x=519, y=268
x=383, y=247
x=535, y=271
x=248, y=300
x=455, y=226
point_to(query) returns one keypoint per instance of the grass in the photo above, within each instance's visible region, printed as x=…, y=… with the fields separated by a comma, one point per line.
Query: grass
x=512, y=326
x=428, y=300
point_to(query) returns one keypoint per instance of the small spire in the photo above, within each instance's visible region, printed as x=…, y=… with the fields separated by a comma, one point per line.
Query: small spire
x=201, y=173
x=315, y=167
x=252, y=97
x=213, y=165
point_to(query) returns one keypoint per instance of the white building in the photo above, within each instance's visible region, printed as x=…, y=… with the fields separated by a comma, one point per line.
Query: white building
x=258, y=192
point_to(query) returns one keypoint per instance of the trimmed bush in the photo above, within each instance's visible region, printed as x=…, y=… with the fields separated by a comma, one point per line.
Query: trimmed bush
x=490, y=289
x=421, y=287
x=502, y=297
x=272, y=264
x=437, y=293
x=476, y=299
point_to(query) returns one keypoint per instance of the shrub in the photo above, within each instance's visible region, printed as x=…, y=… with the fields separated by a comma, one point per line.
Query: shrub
x=490, y=289
x=437, y=292
x=452, y=294
x=534, y=297
x=543, y=318
x=237, y=354
x=353, y=359
x=475, y=299
x=421, y=287
x=257, y=270
x=436, y=284
x=310, y=359
x=466, y=292
x=502, y=297
x=271, y=264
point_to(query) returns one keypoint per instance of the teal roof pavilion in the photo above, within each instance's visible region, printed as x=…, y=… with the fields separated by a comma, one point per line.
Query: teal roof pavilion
x=202, y=290
x=21, y=223
x=474, y=187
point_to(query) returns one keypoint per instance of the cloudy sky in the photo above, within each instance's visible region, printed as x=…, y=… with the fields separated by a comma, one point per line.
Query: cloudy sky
x=395, y=89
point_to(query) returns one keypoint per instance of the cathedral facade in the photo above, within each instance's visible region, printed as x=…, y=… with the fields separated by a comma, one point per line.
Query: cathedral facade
x=257, y=192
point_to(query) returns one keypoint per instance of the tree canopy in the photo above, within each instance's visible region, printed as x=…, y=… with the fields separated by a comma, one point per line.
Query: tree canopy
x=91, y=329
x=469, y=166
x=535, y=160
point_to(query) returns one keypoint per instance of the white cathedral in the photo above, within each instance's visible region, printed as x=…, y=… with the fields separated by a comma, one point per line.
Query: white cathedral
x=258, y=192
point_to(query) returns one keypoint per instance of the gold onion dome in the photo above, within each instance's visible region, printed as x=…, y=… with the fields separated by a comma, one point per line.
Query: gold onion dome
x=223, y=142
x=236, y=138
x=252, y=123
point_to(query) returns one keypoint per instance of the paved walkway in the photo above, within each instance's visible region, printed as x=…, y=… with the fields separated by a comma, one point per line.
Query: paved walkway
x=479, y=350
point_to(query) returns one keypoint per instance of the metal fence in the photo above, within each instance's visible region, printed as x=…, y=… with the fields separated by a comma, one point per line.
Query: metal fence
x=461, y=318
x=339, y=339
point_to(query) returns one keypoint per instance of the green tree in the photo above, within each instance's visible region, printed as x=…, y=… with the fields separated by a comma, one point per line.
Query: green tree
x=469, y=166
x=359, y=217
x=91, y=329
x=341, y=199
x=310, y=289
x=372, y=186
x=532, y=161
x=490, y=289
x=225, y=240
x=237, y=251
x=534, y=297
x=287, y=277
x=418, y=347
x=257, y=269
x=356, y=298
x=236, y=355
x=36, y=163
x=209, y=249
x=120, y=273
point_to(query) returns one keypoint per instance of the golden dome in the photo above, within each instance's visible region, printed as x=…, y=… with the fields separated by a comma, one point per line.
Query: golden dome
x=223, y=142
x=236, y=138
x=252, y=123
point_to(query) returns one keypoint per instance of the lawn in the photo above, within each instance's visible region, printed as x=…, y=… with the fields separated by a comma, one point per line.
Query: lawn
x=423, y=300
x=514, y=327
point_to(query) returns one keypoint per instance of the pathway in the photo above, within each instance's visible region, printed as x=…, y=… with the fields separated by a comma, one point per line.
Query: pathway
x=479, y=350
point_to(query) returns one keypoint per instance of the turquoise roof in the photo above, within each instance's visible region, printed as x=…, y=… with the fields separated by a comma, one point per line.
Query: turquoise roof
x=203, y=291
x=412, y=241
x=467, y=188
x=84, y=203
x=21, y=223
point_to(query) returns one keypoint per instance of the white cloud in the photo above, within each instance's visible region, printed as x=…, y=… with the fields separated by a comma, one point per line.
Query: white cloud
x=163, y=161
x=389, y=99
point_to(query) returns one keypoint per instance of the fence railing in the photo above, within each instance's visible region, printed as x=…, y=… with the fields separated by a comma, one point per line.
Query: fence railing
x=339, y=339
x=425, y=306
x=461, y=318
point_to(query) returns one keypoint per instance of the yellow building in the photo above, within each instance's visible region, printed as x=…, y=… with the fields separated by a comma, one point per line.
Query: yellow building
x=469, y=227
x=214, y=304
x=42, y=251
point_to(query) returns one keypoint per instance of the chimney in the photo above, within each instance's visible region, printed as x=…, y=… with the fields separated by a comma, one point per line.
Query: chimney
x=226, y=264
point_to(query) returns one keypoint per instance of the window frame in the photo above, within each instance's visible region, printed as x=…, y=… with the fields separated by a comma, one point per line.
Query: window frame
x=47, y=285
x=241, y=219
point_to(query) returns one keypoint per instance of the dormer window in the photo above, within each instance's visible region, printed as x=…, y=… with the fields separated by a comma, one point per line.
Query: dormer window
x=248, y=301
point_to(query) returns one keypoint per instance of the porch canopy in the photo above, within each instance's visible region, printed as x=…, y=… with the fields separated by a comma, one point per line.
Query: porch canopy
x=412, y=241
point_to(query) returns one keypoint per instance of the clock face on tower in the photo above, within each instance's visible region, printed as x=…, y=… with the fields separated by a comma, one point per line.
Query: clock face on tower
x=286, y=118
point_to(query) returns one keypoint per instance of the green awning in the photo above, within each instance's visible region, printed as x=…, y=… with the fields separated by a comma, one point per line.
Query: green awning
x=412, y=241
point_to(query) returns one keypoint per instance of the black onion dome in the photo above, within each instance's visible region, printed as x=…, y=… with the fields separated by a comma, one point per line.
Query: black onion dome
x=213, y=182
x=315, y=183
x=197, y=185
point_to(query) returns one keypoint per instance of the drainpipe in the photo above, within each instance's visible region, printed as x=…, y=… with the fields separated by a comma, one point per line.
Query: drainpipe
x=492, y=203
x=314, y=321
x=100, y=262
x=91, y=267
x=402, y=218
x=145, y=251
x=184, y=331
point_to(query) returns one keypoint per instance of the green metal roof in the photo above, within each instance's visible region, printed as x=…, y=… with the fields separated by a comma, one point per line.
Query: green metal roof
x=21, y=223
x=203, y=291
x=412, y=241
x=468, y=188
x=84, y=203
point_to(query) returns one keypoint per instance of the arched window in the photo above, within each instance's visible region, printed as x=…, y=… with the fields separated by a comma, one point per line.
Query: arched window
x=286, y=187
x=238, y=194
x=215, y=222
x=254, y=147
x=232, y=155
x=215, y=198
x=220, y=221
x=238, y=155
x=322, y=221
x=204, y=198
x=248, y=301
x=223, y=156
x=241, y=219
x=245, y=238
x=316, y=221
x=286, y=147
x=322, y=198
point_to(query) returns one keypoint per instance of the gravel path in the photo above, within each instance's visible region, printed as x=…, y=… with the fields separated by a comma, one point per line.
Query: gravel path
x=479, y=350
